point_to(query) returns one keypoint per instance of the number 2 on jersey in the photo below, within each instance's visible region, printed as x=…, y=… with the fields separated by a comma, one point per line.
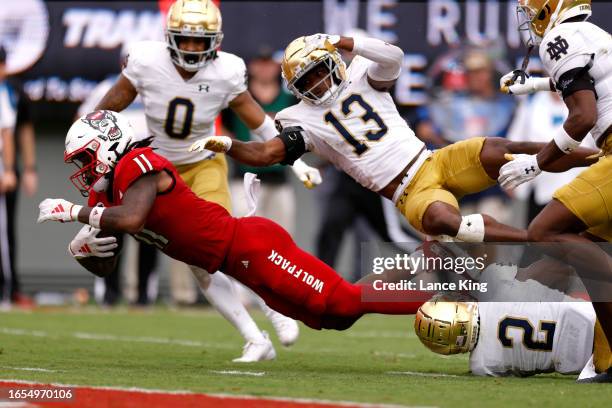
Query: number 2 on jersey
x=369, y=114
x=548, y=328
x=180, y=131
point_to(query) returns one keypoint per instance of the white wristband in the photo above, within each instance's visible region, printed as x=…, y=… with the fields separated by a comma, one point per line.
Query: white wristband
x=95, y=215
x=541, y=84
x=265, y=131
x=74, y=212
x=565, y=142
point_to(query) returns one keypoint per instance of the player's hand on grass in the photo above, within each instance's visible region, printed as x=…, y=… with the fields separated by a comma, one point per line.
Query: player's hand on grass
x=310, y=176
x=519, y=169
x=218, y=144
x=57, y=209
x=86, y=243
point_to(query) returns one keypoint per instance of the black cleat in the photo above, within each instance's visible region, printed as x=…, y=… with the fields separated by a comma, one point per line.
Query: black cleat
x=599, y=378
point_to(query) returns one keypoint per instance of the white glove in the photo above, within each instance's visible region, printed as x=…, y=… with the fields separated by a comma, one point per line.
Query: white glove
x=318, y=41
x=218, y=144
x=523, y=84
x=310, y=176
x=86, y=243
x=57, y=209
x=520, y=169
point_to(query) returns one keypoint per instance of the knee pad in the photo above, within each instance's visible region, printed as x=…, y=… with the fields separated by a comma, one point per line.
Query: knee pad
x=472, y=228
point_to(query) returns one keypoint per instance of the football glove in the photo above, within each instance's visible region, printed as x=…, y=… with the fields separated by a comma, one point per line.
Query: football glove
x=519, y=83
x=320, y=41
x=86, y=243
x=519, y=169
x=310, y=176
x=57, y=209
x=217, y=144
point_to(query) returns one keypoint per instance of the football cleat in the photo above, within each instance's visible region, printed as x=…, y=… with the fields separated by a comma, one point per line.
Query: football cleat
x=605, y=377
x=254, y=352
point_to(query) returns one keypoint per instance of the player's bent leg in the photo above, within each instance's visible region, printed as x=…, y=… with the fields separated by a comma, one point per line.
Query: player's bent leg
x=441, y=218
x=559, y=225
x=219, y=291
x=295, y=283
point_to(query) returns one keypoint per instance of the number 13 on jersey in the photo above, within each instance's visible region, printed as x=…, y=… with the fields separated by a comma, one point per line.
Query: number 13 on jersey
x=369, y=114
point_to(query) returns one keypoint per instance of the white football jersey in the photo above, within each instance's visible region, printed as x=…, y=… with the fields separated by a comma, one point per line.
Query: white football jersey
x=180, y=111
x=526, y=338
x=571, y=45
x=362, y=132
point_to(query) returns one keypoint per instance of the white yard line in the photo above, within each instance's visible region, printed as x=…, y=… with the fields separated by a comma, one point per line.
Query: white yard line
x=112, y=337
x=238, y=372
x=419, y=374
x=42, y=370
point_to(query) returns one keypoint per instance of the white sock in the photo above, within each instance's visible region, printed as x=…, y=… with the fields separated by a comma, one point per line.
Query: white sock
x=219, y=291
x=267, y=310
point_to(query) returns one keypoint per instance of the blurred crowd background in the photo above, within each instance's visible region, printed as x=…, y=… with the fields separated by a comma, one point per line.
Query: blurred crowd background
x=58, y=58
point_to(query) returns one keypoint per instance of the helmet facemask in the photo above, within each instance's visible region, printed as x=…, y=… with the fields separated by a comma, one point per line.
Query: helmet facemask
x=193, y=61
x=524, y=17
x=92, y=172
x=333, y=75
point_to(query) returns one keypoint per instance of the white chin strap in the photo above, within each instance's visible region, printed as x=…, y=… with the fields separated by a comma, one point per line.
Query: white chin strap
x=328, y=95
x=553, y=18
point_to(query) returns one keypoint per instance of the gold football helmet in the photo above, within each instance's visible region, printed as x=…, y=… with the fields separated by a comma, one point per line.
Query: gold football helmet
x=193, y=18
x=448, y=324
x=538, y=17
x=298, y=62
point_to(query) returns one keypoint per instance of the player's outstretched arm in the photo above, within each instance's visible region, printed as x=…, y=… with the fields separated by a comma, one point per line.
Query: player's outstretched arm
x=119, y=96
x=257, y=154
x=128, y=217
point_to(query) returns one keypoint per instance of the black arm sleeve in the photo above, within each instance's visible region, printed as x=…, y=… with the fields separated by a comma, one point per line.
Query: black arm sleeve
x=294, y=143
x=576, y=79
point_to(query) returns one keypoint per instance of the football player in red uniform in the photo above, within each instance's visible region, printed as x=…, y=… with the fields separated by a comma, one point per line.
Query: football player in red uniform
x=142, y=194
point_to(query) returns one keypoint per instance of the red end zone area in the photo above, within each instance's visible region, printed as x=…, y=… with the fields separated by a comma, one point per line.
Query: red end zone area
x=106, y=397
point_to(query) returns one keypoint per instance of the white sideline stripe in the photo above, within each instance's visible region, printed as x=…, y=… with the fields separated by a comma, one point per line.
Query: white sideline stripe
x=419, y=374
x=42, y=370
x=223, y=395
x=16, y=404
x=237, y=372
x=111, y=337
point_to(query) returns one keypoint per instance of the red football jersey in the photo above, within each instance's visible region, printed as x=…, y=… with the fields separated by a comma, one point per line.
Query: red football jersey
x=181, y=224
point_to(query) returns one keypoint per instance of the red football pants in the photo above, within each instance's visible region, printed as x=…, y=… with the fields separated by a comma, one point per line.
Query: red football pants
x=264, y=257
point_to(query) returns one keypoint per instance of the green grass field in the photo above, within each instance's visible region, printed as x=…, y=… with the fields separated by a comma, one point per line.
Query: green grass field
x=378, y=360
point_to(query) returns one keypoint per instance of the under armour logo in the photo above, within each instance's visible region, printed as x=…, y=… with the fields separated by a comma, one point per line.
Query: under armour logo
x=557, y=48
x=203, y=87
x=530, y=169
x=246, y=264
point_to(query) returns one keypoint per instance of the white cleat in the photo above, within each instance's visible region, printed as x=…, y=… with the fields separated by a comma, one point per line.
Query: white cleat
x=287, y=329
x=254, y=352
